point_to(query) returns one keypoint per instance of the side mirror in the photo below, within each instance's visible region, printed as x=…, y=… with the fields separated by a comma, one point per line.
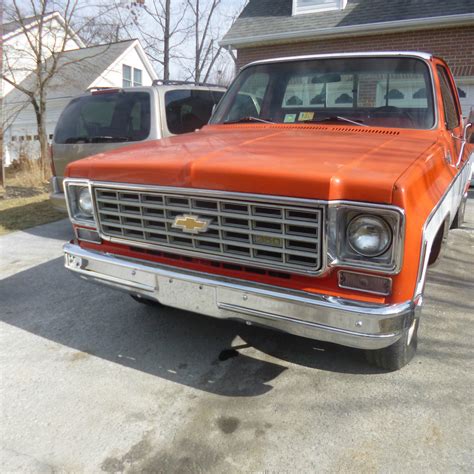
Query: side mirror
x=469, y=127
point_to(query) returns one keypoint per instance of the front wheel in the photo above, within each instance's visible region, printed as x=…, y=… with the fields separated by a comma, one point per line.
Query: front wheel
x=397, y=355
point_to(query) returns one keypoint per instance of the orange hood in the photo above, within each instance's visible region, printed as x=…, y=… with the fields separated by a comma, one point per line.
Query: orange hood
x=307, y=161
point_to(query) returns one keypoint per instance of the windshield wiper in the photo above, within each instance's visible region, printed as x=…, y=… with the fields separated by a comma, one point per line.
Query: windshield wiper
x=107, y=138
x=72, y=140
x=338, y=118
x=247, y=119
x=97, y=139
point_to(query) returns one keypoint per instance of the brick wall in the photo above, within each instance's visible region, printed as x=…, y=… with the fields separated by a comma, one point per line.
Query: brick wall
x=455, y=45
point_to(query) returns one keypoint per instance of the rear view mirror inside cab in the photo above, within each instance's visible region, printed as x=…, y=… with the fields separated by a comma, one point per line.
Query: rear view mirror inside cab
x=325, y=78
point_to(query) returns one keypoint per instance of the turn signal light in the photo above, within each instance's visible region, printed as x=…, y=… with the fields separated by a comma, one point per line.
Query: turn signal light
x=366, y=283
x=88, y=235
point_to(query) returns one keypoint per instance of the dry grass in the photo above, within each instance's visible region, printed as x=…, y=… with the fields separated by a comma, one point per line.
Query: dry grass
x=25, y=212
x=27, y=174
x=26, y=203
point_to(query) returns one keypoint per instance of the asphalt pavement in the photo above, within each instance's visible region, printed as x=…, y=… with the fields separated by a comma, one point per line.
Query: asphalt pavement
x=92, y=381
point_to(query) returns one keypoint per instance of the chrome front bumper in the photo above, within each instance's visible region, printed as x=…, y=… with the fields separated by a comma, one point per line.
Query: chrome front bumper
x=320, y=317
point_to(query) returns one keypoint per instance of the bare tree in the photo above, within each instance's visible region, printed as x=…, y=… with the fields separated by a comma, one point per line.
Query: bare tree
x=210, y=19
x=161, y=27
x=107, y=22
x=206, y=49
x=31, y=65
x=2, y=161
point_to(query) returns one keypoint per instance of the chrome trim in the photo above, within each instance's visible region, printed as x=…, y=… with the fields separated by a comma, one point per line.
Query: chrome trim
x=464, y=141
x=328, y=256
x=288, y=257
x=342, y=321
x=84, y=183
x=335, y=259
x=424, y=255
x=425, y=57
x=411, y=54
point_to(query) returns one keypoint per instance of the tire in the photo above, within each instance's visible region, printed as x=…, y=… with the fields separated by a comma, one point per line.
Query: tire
x=397, y=355
x=146, y=301
x=459, y=217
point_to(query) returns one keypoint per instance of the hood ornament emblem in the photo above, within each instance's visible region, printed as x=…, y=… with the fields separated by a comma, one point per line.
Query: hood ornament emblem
x=191, y=224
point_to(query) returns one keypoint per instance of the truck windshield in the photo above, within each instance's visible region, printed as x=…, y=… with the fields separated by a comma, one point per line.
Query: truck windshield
x=105, y=118
x=376, y=91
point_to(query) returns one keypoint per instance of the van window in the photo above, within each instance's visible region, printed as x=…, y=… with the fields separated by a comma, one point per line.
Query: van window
x=105, y=118
x=188, y=110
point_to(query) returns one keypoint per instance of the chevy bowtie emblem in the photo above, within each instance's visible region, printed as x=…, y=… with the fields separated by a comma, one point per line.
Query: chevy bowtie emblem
x=191, y=224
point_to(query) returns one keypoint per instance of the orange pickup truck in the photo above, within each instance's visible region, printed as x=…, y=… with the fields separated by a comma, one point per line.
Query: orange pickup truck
x=313, y=202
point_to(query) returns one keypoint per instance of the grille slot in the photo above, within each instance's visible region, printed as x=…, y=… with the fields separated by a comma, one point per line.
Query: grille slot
x=270, y=235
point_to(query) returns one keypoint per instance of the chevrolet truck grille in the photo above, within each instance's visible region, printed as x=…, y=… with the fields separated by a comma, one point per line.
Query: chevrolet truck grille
x=264, y=233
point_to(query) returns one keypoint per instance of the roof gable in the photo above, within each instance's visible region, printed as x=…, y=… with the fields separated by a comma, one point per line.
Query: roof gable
x=15, y=28
x=77, y=70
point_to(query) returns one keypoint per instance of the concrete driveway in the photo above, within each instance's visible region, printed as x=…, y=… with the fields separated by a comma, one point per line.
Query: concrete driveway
x=92, y=381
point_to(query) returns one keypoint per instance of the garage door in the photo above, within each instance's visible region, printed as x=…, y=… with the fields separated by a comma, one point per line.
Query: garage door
x=466, y=93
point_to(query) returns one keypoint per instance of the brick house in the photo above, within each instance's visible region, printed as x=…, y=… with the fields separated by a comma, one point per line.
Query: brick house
x=275, y=28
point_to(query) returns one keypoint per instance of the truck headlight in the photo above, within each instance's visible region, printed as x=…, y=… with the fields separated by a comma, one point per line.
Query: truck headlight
x=366, y=236
x=79, y=202
x=369, y=236
x=84, y=202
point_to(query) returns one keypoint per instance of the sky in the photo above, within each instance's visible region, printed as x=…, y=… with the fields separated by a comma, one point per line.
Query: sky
x=228, y=10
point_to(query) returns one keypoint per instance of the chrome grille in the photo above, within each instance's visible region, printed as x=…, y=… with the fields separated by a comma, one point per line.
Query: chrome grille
x=264, y=233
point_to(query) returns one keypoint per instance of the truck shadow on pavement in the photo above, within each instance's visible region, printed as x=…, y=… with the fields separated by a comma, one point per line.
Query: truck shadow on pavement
x=186, y=348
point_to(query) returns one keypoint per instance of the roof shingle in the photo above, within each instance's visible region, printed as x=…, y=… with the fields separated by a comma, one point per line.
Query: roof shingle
x=271, y=17
x=77, y=70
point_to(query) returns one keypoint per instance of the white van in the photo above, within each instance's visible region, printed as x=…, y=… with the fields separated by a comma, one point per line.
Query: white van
x=103, y=119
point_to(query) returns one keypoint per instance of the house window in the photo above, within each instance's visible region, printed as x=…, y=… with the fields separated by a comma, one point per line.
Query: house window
x=132, y=77
x=314, y=6
x=137, y=77
x=127, y=76
x=14, y=138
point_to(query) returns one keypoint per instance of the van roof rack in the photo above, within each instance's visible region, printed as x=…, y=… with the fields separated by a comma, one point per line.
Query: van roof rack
x=102, y=88
x=163, y=82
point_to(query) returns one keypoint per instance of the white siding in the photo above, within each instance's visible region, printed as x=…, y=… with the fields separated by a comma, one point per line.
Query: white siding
x=18, y=56
x=24, y=125
x=112, y=76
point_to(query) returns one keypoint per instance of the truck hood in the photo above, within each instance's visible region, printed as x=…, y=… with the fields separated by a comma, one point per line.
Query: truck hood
x=306, y=161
